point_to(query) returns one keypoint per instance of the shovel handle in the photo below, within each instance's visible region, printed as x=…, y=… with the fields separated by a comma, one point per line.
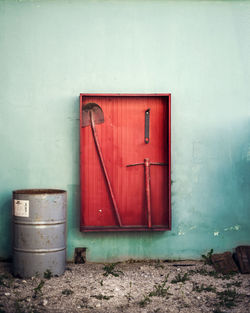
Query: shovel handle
x=104, y=169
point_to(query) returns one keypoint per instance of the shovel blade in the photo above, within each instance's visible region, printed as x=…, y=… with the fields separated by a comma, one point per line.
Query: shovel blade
x=97, y=114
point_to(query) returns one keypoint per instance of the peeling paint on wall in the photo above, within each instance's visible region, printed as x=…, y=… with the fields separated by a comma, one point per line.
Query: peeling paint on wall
x=232, y=228
x=181, y=233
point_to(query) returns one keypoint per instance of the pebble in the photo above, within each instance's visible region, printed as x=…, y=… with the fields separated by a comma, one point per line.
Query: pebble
x=98, y=305
x=45, y=302
x=24, y=281
x=7, y=294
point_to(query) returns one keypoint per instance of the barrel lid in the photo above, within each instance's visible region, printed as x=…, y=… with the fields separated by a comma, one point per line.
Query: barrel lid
x=38, y=191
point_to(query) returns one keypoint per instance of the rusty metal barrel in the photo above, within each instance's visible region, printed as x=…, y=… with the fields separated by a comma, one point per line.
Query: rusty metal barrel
x=39, y=232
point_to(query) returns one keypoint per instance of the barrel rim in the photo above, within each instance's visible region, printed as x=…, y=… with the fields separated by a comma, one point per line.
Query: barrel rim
x=38, y=191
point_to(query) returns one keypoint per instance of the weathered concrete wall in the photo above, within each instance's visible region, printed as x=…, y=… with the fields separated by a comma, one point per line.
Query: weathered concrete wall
x=50, y=51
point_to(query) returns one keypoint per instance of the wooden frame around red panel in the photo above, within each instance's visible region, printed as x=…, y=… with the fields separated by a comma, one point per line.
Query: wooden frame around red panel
x=137, y=227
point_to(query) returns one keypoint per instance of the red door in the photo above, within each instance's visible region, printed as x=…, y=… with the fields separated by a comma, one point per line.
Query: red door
x=130, y=191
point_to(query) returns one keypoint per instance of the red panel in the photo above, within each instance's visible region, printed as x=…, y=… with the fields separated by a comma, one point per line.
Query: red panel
x=121, y=138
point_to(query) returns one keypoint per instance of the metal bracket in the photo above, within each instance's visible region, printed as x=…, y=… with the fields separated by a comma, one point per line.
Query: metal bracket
x=147, y=116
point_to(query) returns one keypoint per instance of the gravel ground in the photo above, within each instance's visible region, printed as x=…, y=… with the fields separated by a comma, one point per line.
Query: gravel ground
x=148, y=287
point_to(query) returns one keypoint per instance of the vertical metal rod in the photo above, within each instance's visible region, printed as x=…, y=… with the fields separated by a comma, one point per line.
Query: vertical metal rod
x=147, y=188
x=104, y=169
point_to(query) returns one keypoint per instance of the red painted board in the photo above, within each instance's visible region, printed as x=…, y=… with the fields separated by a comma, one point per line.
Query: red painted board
x=121, y=137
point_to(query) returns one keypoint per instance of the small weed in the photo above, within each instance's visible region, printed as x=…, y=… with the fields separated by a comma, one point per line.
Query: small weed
x=214, y=274
x=146, y=300
x=228, y=276
x=218, y=310
x=160, y=290
x=201, y=288
x=128, y=295
x=101, y=282
x=67, y=292
x=207, y=259
x=180, y=279
x=38, y=289
x=210, y=273
x=186, y=305
x=209, y=288
x=158, y=264
x=102, y=297
x=228, y=297
x=47, y=274
x=201, y=271
x=110, y=270
x=235, y=284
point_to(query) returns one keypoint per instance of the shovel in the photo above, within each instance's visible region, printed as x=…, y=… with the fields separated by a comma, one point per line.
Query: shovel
x=92, y=114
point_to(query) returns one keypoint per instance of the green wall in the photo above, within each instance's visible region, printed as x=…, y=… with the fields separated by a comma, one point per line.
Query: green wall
x=50, y=51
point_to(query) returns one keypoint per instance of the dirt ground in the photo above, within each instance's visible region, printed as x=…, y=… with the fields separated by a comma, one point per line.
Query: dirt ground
x=147, y=287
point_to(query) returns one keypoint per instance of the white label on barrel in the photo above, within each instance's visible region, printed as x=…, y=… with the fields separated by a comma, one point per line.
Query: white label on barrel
x=21, y=208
